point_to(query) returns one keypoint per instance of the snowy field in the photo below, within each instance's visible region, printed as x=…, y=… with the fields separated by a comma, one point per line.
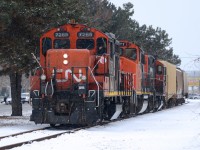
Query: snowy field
x=173, y=129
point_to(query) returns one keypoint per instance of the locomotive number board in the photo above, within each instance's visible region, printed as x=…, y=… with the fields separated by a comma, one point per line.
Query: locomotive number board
x=85, y=34
x=61, y=34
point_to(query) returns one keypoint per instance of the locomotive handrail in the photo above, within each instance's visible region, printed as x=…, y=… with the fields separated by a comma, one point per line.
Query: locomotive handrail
x=51, y=88
x=97, y=86
x=51, y=82
x=31, y=85
x=133, y=81
x=98, y=61
x=38, y=62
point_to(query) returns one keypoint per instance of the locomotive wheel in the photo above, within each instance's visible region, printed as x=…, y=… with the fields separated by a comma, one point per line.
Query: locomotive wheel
x=150, y=106
x=156, y=106
x=139, y=105
x=126, y=108
x=169, y=103
x=176, y=103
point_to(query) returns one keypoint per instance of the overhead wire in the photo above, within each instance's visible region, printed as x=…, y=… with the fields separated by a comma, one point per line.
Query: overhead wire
x=191, y=64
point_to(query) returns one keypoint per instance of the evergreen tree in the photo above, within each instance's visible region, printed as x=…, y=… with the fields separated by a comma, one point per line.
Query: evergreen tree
x=98, y=14
x=155, y=42
x=22, y=23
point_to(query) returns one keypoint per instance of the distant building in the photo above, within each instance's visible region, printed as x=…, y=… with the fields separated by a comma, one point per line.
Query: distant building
x=194, y=81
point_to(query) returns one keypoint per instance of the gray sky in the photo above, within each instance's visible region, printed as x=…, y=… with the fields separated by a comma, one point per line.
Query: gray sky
x=180, y=19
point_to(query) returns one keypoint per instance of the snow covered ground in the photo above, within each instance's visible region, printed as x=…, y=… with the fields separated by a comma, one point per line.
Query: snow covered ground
x=173, y=129
x=10, y=125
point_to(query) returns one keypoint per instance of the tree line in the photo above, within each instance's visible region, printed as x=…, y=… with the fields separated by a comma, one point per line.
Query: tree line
x=22, y=23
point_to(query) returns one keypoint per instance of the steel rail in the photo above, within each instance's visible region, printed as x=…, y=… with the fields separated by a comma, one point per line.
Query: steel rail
x=20, y=133
x=38, y=139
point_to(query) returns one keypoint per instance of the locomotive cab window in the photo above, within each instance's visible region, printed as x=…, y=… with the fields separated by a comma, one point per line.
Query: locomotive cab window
x=159, y=70
x=151, y=60
x=151, y=72
x=101, y=46
x=130, y=53
x=62, y=44
x=117, y=49
x=85, y=44
x=143, y=58
x=46, y=45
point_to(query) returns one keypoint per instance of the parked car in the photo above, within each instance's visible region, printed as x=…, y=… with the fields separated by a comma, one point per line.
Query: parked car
x=25, y=97
x=7, y=100
x=194, y=96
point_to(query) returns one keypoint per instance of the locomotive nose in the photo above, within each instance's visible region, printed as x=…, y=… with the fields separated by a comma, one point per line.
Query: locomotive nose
x=69, y=65
x=62, y=58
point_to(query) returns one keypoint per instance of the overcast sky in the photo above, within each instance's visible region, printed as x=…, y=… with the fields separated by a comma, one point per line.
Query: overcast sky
x=180, y=19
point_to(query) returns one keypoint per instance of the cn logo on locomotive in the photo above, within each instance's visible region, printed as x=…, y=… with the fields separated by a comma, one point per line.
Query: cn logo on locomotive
x=78, y=79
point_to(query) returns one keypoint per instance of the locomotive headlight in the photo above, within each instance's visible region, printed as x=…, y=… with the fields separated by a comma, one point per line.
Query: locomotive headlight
x=43, y=77
x=65, y=56
x=65, y=62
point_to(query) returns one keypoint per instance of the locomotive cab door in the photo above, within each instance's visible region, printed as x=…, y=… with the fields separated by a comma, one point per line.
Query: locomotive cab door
x=113, y=65
x=143, y=72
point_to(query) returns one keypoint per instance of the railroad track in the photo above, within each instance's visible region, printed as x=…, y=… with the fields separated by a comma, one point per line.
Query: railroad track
x=16, y=140
x=46, y=136
x=20, y=133
x=25, y=135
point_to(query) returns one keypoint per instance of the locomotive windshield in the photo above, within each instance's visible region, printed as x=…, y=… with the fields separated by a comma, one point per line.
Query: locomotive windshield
x=85, y=44
x=151, y=60
x=46, y=45
x=101, y=46
x=62, y=44
x=130, y=53
x=159, y=69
